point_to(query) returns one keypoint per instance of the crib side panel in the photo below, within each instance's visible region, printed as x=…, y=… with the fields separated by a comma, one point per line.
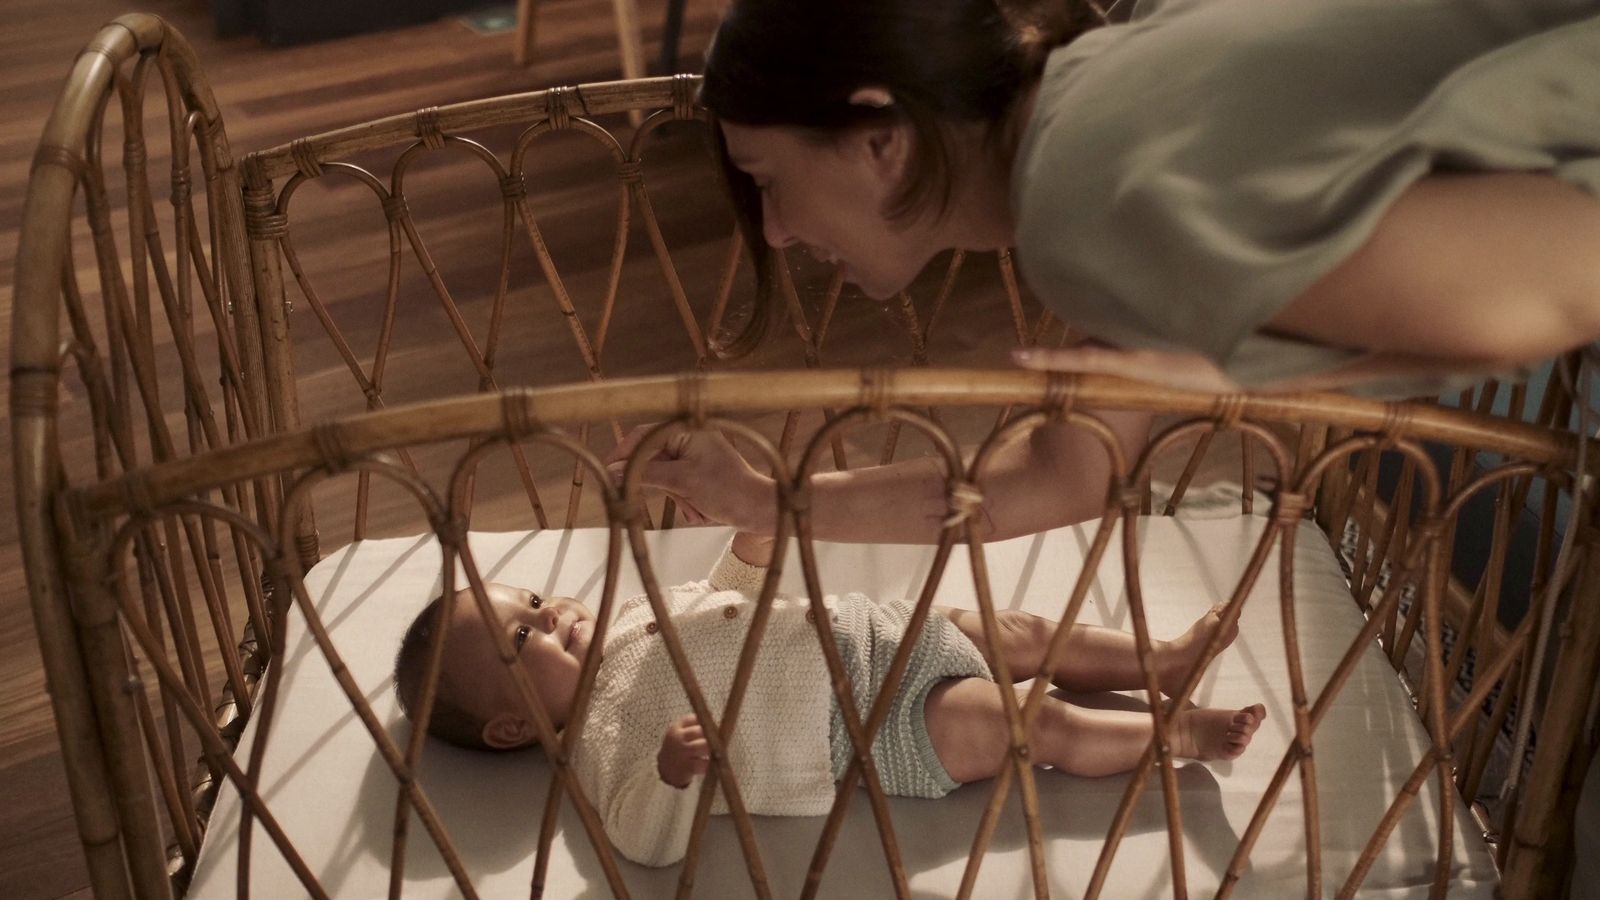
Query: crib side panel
x=134, y=341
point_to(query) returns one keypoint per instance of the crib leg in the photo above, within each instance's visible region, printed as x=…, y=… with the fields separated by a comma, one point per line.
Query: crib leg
x=1540, y=848
x=73, y=708
x=111, y=683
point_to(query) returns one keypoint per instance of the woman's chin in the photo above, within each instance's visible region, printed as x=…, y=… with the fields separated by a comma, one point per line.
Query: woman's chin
x=878, y=288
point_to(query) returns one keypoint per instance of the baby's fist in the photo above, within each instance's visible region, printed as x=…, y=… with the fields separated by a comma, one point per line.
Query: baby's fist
x=684, y=753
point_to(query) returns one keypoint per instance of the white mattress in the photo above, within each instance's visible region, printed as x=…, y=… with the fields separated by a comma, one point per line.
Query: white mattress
x=335, y=797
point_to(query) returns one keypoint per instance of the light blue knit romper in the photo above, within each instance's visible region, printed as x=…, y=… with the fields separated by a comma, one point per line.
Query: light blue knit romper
x=869, y=633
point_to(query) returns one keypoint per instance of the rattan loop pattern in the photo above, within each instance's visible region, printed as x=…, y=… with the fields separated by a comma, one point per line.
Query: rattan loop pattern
x=1396, y=422
x=1428, y=529
x=58, y=156
x=329, y=439
x=555, y=107
x=394, y=207
x=136, y=494
x=452, y=531
x=259, y=200
x=429, y=128
x=305, y=158
x=34, y=391
x=514, y=413
x=683, y=89
x=264, y=226
x=692, y=398
x=877, y=385
x=512, y=187
x=1229, y=410
x=622, y=511
x=1289, y=507
x=965, y=500
x=1060, y=394
x=181, y=186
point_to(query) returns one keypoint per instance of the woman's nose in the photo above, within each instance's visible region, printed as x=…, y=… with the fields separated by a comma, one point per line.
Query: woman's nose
x=772, y=227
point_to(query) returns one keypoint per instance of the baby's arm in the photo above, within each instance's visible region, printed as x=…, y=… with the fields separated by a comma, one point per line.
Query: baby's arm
x=743, y=566
x=647, y=819
x=753, y=549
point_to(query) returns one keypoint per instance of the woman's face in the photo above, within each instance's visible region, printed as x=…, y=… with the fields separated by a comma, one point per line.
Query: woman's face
x=830, y=196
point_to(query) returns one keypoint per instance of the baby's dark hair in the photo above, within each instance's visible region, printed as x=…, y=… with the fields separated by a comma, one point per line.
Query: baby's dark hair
x=450, y=721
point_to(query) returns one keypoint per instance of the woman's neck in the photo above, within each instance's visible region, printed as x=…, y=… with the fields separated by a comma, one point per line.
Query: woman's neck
x=981, y=217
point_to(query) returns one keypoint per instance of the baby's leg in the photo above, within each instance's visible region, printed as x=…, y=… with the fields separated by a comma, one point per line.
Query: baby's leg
x=1095, y=658
x=967, y=726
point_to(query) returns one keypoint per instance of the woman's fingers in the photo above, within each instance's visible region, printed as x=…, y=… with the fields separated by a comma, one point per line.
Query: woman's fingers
x=1189, y=371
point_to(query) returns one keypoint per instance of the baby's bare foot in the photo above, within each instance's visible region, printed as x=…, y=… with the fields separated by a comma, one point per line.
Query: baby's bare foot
x=1216, y=733
x=1180, y=654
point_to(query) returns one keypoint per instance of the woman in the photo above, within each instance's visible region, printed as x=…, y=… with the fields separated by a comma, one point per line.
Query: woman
x=1363, y=194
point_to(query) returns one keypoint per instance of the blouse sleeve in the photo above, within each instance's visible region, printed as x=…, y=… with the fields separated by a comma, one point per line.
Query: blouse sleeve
x=1186, y=175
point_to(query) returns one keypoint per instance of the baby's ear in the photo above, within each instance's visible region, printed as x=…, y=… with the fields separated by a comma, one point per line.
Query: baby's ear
x=509, y=731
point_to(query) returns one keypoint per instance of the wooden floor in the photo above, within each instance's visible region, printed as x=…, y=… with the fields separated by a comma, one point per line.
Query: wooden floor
x=268, y=96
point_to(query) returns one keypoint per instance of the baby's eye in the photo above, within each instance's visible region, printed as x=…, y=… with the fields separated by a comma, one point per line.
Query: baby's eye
x=522, y=636
x=536, y=601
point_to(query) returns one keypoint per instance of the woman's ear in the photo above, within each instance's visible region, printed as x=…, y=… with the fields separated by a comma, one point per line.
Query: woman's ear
x=875, y=97
x=887, y=146
x=508, y=732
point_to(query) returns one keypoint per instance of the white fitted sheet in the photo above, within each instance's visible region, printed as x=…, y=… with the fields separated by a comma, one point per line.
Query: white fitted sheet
x=335, y=797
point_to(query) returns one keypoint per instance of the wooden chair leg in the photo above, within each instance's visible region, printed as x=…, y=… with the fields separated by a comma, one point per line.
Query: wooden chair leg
x=522, y=44
x=629, y=38
x=671, y=32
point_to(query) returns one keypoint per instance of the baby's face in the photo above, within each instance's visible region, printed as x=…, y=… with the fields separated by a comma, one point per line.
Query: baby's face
x=550, y=635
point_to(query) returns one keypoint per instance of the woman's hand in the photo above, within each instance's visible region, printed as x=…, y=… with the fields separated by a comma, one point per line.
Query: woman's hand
x=711, y=482
x=684, y=753
x=1183, y=370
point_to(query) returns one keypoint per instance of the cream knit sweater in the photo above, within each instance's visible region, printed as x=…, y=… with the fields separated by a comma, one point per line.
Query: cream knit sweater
x=779, y=750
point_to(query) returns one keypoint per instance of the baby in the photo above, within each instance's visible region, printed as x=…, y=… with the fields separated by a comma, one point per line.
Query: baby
x=641, y=745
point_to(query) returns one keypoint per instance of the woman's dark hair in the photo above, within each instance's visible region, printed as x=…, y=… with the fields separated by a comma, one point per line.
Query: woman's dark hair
x=796, y=63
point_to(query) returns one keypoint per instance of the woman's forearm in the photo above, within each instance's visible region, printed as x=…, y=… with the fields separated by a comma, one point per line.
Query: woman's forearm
x=1054, y=476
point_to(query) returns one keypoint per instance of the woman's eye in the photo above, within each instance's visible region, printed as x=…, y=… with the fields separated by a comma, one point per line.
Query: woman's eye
x=522, y=636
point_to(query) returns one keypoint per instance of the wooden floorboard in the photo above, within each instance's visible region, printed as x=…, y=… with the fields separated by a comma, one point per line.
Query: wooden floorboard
x=268, y=96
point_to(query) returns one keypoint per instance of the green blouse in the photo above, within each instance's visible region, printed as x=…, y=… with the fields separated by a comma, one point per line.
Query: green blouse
x=1191, y=170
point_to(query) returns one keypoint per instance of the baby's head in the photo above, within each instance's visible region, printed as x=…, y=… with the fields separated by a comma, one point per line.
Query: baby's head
x=477, y=704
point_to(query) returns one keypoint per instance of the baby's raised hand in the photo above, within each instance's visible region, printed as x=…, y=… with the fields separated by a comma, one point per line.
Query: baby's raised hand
x=684, y=753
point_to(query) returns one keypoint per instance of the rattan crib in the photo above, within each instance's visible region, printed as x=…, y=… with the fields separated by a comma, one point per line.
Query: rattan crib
x=200, y=509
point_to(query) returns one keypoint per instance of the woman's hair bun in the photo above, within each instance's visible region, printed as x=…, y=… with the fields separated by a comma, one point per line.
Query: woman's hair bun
x=1041, y=26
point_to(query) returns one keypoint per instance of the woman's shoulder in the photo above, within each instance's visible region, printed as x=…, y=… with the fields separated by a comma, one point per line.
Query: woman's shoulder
x=1185, y=174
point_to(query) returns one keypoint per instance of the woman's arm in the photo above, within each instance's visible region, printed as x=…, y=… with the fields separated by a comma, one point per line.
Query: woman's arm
x=1464, y=273
x=1470, y=272
x=1055, y=476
